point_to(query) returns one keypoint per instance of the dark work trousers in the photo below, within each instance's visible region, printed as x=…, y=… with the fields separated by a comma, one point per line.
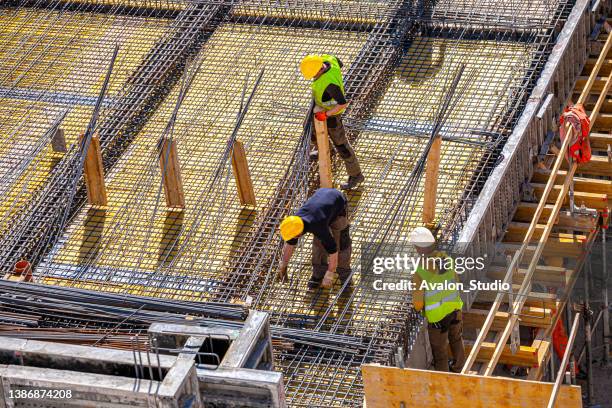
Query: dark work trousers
x=440, y=338
x=340, y=231
x=335, y=128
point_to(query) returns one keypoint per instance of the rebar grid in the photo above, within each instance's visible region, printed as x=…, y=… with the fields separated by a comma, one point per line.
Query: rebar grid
x=396, y=78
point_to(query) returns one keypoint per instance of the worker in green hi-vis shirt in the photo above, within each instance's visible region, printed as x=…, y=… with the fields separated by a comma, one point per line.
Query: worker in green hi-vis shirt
x=330, y=102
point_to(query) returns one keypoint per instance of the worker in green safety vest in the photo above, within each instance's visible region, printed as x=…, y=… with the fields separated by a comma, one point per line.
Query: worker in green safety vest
x=329, y=104
x=435, y=295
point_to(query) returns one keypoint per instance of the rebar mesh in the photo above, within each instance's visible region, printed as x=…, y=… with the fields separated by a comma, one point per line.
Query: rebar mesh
x=399, y=61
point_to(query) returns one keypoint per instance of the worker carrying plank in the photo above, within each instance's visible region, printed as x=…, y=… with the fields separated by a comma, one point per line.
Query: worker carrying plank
x=329, y=104
x=442, y=306
x=324, y=215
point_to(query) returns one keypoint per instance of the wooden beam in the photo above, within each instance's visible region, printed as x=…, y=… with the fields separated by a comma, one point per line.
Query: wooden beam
x=547, y=275
x=600, y=141
x=597, y=200
x=542, y=343
x=584, y=184
x=94, y=173
x=171, y=174
x=598, y=166
x=325, y=174
x=533, y=299
x=516, y=232
x=525, y=213
x=390, y=387
x=525, y=356
x=532, y=317
x=242, y=175
x=555, y=246
x=603, y=123
x=431, y=181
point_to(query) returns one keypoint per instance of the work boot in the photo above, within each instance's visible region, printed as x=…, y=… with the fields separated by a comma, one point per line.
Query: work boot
x=314, y=154
x=353, y=181
x=314, y=283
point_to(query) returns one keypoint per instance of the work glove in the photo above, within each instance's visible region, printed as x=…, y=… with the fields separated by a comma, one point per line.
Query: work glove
x=281, y=273
x=328, y=279
x=322, y=116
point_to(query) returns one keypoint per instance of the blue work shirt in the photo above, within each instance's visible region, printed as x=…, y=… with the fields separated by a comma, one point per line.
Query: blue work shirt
x=318, y=212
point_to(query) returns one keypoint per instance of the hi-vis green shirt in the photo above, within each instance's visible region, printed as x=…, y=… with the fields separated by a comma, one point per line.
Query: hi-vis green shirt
x=332, y=76
x=439, y=302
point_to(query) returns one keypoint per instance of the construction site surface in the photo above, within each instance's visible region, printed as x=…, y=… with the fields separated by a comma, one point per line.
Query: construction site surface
x=124, y=125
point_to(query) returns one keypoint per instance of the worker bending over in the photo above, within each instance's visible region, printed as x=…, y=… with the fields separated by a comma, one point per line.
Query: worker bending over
x=329, y=104
x=442, y=307
x=324, y=215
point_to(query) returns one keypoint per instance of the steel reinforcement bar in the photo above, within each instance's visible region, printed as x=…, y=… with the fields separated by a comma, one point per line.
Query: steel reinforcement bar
x=500, y=195
x=366, y=80
x=36, y=227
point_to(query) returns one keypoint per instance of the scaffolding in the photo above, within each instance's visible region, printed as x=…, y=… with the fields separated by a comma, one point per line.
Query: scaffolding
x=200, y=60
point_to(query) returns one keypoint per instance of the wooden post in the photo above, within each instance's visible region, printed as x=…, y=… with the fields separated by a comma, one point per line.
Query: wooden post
x=94, y=173
x=171, y=174
x=431, y=181
x=242, y=174
x=324, y=154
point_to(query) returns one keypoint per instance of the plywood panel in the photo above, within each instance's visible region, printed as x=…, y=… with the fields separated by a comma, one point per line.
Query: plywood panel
x=389, y=386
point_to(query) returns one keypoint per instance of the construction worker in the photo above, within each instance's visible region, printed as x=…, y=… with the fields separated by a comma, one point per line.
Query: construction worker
x=442, y=307
x=325, y=216
x=329, y=104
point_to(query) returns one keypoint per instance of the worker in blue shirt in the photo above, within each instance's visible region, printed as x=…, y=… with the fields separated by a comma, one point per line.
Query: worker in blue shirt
x=325, y=216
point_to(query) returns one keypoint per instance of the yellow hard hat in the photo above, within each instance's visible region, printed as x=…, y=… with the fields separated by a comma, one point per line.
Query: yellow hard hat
x=291, y=227
x=310, y=65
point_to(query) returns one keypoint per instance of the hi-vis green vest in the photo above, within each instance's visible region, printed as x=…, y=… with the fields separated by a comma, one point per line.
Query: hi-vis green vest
x=439, y=303
x=332, y=76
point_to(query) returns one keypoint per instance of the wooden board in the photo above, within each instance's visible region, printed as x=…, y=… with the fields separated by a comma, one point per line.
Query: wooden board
x=390, y=386
x=431, y=181
x=242, y=175
x=171, y=174
x=94, y=173
x=325, y=174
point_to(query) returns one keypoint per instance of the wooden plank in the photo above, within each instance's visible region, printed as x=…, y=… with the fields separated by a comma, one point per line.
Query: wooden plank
x=525, y=356
x=603, y=122
x=516, y=232
x=597, y=200
x=605, y=68
x=600, y=141
x=598, y=166
x=525, y=213
x=548, y=275
x=531, y=317
x=584, y=184
x=242, y=174
x=598, y=83
x=390, y=387
x=431, y=182
x=94, y=173
x=543, y=345
x=555, y=246
x=171, y=174
x=533, y=299
x=325, y=175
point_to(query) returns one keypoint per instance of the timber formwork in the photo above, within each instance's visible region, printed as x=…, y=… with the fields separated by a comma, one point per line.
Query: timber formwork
x=400, y=58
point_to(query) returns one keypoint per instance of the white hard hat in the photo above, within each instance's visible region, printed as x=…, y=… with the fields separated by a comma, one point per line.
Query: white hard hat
x=422, y=237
